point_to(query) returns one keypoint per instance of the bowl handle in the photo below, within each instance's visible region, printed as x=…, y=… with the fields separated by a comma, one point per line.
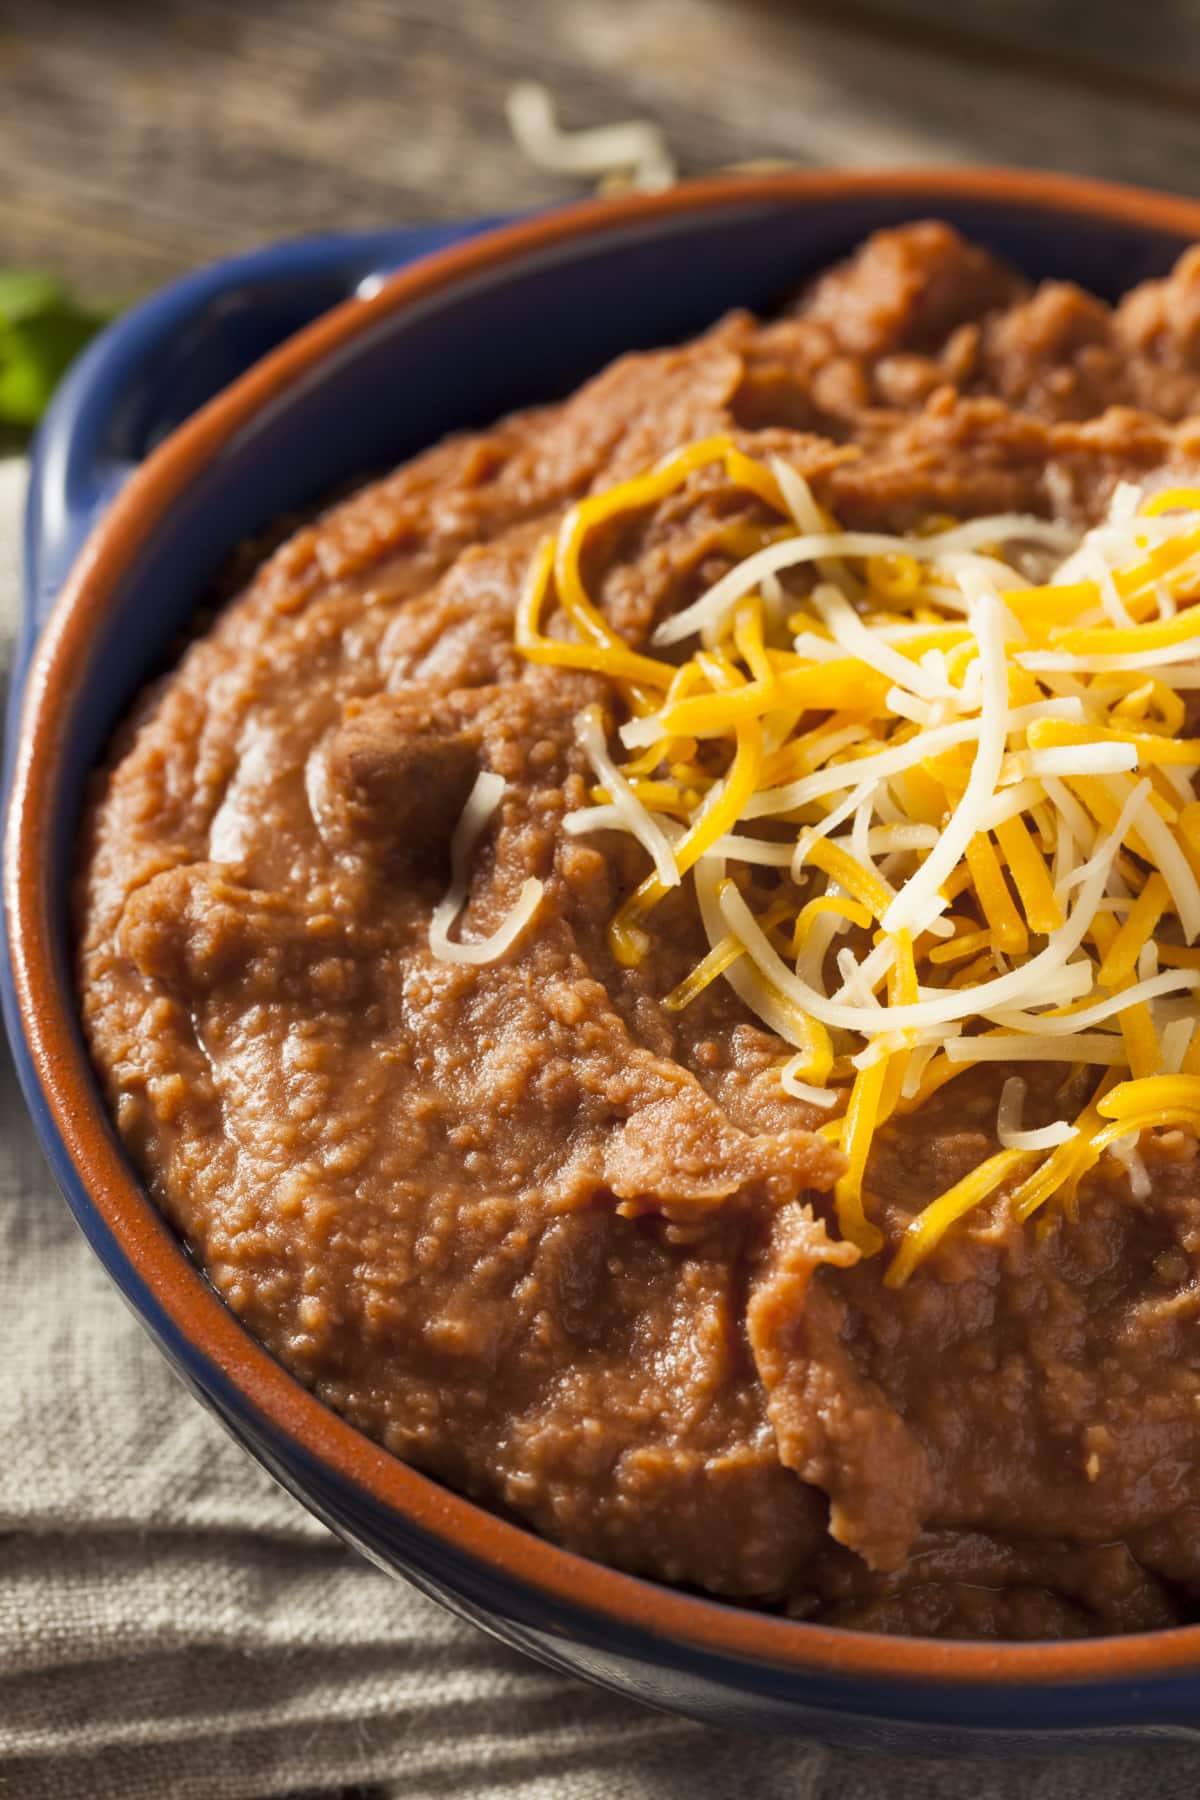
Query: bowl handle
x=159, y=362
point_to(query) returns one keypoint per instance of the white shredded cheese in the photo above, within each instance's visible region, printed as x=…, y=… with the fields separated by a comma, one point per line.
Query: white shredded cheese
x=911, y=909
x=589, y=732
x=1171, y=981
x=1125, y=1151
x=635, y=147
x=1174, y=1038
x=482, y=802
x=1009, y=1132
x=707, y=614
x=791, y=1084
x=1099, y=1047
x=1026, y=981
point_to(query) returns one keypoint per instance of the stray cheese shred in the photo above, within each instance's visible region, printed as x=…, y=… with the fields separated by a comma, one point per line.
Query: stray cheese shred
x=959, y=804
x=482, y=802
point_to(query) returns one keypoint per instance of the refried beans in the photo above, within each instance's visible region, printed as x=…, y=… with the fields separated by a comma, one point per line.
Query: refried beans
x=567, y=1249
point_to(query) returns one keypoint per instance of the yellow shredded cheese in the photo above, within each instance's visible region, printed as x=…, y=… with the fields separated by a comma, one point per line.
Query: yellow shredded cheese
x=876, y=728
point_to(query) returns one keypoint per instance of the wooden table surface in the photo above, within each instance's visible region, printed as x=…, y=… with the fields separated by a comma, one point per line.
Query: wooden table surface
x=140, y=137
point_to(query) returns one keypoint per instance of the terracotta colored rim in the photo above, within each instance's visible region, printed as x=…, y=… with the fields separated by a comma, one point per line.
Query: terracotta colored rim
x=48, y=1011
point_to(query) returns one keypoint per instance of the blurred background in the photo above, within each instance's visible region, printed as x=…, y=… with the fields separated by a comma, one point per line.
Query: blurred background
x=140, y=137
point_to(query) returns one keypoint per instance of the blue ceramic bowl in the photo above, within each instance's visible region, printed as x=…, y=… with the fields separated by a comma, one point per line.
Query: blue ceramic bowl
x=161, y=453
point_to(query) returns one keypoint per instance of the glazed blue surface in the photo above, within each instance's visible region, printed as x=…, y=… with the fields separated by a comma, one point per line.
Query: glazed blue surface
x=528, y=331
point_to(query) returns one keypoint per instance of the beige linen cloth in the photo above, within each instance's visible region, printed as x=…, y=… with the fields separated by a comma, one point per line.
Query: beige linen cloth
x=174, y=1627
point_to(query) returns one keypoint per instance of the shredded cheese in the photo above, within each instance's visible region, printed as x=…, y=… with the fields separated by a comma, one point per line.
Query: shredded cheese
x=629, y=814
x=1008, y=1122
x=961, y=802
x=482, y=802
x=635, y=147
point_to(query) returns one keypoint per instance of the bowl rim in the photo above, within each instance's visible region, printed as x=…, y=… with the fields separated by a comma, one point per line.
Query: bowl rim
x=76, y=1115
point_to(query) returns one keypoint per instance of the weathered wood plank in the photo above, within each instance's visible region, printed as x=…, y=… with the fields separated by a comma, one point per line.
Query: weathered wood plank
x=1155, y=51
x=138, y=140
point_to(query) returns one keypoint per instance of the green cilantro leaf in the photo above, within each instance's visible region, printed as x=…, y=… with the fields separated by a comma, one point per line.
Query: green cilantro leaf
x=42, y=330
